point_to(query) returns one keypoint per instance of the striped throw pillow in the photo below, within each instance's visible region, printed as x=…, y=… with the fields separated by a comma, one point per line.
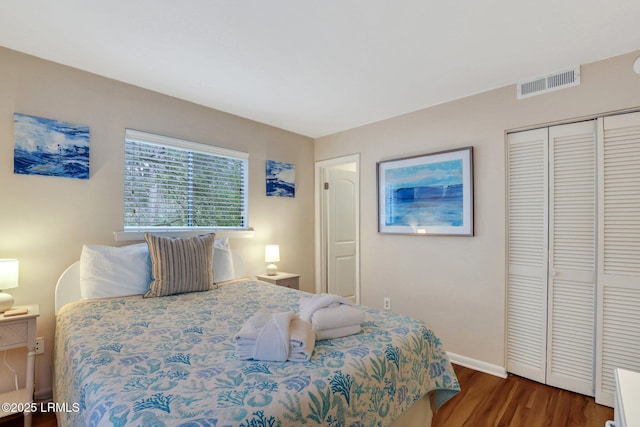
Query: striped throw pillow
x=180, y=265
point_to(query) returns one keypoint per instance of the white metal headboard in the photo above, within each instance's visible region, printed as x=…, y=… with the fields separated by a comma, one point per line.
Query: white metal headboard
x=68, y=286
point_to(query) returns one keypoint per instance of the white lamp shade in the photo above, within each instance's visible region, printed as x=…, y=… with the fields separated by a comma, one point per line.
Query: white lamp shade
x=9, y=273
x=272, y=253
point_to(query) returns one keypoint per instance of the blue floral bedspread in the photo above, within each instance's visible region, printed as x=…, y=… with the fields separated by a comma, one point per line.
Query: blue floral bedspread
x=171, y=361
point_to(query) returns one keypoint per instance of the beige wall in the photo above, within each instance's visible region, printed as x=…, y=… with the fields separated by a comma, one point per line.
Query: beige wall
x=45, y=220
x=457, y=284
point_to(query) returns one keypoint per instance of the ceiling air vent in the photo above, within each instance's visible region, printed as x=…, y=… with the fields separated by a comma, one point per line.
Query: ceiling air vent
x=549, y=83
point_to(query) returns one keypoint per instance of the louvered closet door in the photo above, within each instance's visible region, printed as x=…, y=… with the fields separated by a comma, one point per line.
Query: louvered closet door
x=618, y=334
x=527, y=252
x=572, y=253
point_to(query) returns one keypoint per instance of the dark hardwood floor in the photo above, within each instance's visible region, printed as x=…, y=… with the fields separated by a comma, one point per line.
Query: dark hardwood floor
x=38, y=420
x=485, y=400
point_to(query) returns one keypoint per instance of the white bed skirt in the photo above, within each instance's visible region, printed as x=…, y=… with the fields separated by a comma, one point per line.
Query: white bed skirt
x=419, y=415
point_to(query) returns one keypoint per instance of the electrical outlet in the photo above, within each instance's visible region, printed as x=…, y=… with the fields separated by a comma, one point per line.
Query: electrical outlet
x=387, y=303
x=39, y=345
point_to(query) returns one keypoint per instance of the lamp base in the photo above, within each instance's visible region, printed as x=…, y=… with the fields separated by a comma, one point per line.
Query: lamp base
x=272, y=270
x=6, y=301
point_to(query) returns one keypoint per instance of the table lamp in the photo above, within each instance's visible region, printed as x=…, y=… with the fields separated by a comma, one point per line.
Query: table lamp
x=271, y=255
x=8, y=280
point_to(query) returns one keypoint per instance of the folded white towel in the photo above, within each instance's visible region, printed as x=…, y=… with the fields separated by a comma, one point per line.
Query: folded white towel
x=245, y=339
x=269, y=335
x=250, y=329
x=338, y=317
x=275, y=337
x=310, y=305
x=272, y=342
x=302, y=341
x=328, y=334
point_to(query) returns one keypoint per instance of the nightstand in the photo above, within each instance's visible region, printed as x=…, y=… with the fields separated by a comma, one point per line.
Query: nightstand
x=626, y=410
x=288, y=280
x=16, y=332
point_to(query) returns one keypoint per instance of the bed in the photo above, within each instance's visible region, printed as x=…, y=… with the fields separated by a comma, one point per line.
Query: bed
x=170, y=360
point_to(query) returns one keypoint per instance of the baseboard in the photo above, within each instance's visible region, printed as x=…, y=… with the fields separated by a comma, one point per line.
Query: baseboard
x=477, y=365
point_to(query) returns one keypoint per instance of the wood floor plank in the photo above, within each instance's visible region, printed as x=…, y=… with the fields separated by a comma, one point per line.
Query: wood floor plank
x=489, y=401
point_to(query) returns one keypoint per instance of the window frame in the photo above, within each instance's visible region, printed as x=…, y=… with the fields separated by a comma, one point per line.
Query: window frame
x=137, y=232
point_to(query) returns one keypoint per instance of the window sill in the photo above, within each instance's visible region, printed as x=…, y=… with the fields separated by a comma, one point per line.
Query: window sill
x=127, y=236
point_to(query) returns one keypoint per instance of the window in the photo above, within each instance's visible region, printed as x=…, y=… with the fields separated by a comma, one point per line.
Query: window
x=173, y=185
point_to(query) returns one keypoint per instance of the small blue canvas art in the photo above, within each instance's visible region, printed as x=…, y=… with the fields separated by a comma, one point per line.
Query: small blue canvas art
x=50, y=147
x=281, y=179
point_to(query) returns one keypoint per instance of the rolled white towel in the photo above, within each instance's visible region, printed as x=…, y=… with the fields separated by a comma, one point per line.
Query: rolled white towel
x=310, y=305
x=338, y=317
x=328, y=334
x=302, y=341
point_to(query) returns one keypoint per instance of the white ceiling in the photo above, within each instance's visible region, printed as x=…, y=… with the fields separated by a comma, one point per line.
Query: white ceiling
x=317, y=67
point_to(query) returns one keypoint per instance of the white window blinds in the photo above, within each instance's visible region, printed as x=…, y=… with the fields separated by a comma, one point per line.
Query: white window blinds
x=172, y=184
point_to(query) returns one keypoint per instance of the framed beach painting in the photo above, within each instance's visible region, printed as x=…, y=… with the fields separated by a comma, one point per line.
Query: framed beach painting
x=50, y=147
x=430, y=194
x=281, y=179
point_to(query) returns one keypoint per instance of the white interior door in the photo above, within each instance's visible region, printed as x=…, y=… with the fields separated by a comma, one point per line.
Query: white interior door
x=618, y=335
x=340, y=197
x=527, y=159
x=552, y=245
x=584, y=188
x=572, y=257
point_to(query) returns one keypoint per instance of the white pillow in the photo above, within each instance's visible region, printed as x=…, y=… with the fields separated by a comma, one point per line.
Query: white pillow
x=109, y=271
x=222, y=261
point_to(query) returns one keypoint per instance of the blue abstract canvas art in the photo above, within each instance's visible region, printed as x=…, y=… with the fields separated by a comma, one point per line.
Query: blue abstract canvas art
x=429, y=194
x=50, y=147
x=281, y=179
